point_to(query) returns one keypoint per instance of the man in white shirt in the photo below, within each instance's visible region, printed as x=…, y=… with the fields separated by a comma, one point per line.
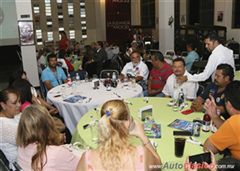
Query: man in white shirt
x=172, y=88
x=136, y=69
x=220, y=55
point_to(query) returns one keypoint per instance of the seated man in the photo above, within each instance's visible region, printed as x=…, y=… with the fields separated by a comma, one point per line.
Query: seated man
x=136, y=69
x=191, y=57
x=227, y=136
x=53, y=75
x=172, y=88
x=158, y=75
x=223, y=76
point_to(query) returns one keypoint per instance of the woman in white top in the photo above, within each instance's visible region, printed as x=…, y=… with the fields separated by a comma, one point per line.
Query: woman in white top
x=9, y=119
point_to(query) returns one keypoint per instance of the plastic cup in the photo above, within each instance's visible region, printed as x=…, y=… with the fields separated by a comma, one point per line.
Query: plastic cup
x=179, y=146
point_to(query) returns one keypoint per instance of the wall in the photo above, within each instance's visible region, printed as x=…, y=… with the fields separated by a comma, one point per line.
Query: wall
x=166, y=32
x=225, y=5
x=28, y=52
x=220, y=5
x=8, y=29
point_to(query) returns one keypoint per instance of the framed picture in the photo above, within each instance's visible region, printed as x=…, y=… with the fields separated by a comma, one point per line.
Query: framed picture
x=220, y=16
x=26, y=32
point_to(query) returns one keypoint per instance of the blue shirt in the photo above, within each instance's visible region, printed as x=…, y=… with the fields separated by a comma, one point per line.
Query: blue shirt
x=219, y=97
x=56, y=78
x=190, y=58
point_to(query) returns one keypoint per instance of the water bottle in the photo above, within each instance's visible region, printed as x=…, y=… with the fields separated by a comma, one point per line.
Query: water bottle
x=77, y=77
x=86, y=77
x=114, y=79
x=69, y=80
x=180, y=97
x=94, y=129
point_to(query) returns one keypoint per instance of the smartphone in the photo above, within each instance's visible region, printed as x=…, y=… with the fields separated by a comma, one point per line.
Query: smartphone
x=200, y=158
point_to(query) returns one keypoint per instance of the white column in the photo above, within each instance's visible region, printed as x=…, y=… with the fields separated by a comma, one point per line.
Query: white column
x=166, y=31
x=28, y=52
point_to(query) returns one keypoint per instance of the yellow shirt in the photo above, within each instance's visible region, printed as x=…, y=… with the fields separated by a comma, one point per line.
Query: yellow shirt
x=228, y=136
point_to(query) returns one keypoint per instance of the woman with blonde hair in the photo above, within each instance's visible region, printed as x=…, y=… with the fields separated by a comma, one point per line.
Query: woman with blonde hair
x=40, y=143
x=114, y=152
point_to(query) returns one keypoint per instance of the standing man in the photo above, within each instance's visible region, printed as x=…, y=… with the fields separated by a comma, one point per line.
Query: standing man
x=136, y=69
x=172, y=87
x=100, y=56
x=53, y=75
x=158, y=75
x=220, y=54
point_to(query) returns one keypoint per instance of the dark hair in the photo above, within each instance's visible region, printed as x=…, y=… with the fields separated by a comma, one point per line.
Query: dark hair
x=16, y=75
x=179, y=60
x=100, y=43
x=228, y=161
x=191, y=44
x=4, y=95
x=51, y=55
x=63, y=32
x=227, y=70
x=24, y=88
x=212, y=36
x=232, y=92
x=158, y=56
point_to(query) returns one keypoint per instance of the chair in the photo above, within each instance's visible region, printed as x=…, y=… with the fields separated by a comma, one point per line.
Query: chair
x=200, y=89
x=104, y=73
x=4, y=163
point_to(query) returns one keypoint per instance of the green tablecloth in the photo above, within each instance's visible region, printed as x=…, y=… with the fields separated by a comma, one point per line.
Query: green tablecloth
x=164, y=115
x=237, y=75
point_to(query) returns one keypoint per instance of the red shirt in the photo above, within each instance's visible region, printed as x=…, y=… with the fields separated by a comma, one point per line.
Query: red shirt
x=63, y=44
x=160, y=76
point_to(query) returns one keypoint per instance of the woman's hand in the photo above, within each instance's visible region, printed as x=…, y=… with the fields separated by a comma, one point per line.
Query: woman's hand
x=53, y=110
x=138, y=130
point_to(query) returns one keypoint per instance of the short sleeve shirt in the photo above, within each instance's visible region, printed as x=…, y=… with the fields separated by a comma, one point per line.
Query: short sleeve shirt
x=227, y=136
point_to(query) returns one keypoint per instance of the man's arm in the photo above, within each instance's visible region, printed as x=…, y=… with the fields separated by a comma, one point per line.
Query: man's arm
x=208, y=146
x=48, y=85
x=207, y=72
x=197, y=104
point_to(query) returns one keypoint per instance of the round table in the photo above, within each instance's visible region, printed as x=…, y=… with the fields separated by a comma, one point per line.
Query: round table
x=72, y=112
x=162, y=114
x=237, y=75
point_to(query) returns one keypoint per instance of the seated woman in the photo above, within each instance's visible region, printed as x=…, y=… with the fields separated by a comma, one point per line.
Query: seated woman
x=26, y=98
x=114, y=151
x=40, y=143
x=9, y=119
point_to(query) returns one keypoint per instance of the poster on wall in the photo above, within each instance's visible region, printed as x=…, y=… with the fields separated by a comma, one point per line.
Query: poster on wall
x=26, y=32
x=220, y=16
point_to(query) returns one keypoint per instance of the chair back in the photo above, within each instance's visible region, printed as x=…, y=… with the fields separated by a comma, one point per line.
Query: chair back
x=104, y=73
x=4, y=163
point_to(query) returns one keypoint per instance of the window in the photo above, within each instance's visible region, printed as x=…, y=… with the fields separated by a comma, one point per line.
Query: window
x=39, y=37
x=48, y=7
x=236, y=14
x=70, y=9
x=72, y=34
x=83, y=19
x=50, y=35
